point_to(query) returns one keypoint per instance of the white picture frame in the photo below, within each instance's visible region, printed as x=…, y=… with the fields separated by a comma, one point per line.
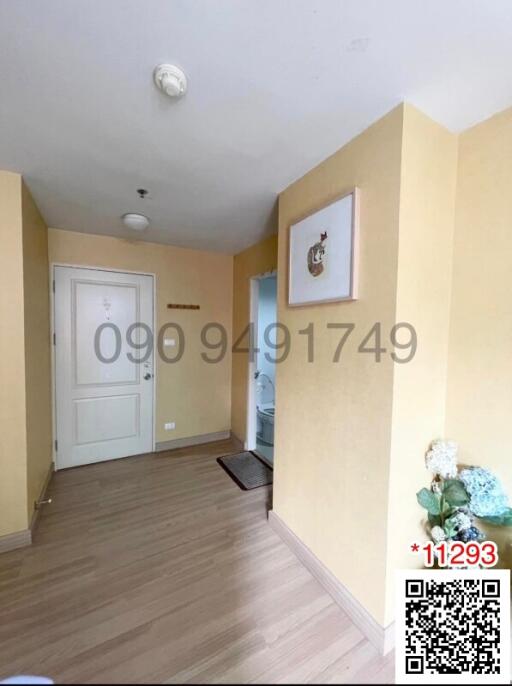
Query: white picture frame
x=323, y=253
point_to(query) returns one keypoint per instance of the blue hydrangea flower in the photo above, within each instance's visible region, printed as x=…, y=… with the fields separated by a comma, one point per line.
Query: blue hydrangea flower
x=488, y=498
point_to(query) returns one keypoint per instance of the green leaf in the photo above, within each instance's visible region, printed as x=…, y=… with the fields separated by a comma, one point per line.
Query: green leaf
x=447, y=509
x=455, y=493
x=434, y=520
x=429, y=500
x=504, y=519
x=450, y=529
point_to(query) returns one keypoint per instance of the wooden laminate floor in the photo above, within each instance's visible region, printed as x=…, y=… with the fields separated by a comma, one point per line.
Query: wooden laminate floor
x=158, y=569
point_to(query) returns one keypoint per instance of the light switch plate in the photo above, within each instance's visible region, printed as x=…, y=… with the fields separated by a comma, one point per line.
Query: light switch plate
x=170, y=426
x=170, y=342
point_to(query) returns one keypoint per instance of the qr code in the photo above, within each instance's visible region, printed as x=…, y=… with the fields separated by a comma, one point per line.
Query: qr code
x=453, y=626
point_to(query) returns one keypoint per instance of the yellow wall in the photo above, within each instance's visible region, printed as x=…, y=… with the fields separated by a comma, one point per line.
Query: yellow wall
x=37, y=349
x=479, y=397
x=427, y=207
x=194, y=394
x=25, y=395
x=436, y=250
x=257, y=259
x=333, y=420
x=13, y=447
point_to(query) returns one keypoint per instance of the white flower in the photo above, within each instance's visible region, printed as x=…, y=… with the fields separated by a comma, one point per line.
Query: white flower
x=438, y=534
x=461, y=521
x=441, y=459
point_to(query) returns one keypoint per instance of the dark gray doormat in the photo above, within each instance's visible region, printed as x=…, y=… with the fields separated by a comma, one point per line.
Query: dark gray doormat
x=246, y=470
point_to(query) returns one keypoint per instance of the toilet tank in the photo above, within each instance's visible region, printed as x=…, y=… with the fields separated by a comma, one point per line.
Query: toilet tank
x=266, y=425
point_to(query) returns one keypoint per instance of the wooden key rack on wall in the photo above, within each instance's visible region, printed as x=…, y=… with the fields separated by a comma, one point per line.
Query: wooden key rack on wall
x=176, y=306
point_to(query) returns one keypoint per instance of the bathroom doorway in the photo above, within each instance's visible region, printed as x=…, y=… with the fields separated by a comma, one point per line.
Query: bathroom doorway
x=262, y=372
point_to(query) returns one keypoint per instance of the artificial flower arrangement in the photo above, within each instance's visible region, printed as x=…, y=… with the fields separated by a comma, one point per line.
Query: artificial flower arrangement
x=456, y=498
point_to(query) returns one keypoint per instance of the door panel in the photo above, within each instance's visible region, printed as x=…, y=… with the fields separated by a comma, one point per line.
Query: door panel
x=104, y=399
x=101, y=303
x=106, y=419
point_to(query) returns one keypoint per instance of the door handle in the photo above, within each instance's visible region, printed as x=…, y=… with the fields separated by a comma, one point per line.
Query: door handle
x=148, y=376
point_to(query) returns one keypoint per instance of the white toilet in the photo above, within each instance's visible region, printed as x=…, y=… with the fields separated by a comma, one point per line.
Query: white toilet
x=265, y=431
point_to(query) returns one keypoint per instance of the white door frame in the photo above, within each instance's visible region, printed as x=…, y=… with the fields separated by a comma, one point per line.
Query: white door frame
x=52, y=346
x=254, y=297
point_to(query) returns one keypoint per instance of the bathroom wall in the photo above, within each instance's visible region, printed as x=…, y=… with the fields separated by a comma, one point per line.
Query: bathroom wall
x=267, y=317
x=258, y=259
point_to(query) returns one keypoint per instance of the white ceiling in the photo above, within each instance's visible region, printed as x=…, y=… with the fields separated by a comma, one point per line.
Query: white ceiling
x=275, y=86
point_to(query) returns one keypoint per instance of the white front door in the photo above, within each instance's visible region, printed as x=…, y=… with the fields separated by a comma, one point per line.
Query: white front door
x=103, y=365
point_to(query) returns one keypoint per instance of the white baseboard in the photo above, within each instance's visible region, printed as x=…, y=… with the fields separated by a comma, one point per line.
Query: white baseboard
x=383, y=638
x=192, y=440
x=19, y=539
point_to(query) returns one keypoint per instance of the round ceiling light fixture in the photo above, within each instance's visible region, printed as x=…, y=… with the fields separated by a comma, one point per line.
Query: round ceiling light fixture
x=171, y=80
x=135, y=222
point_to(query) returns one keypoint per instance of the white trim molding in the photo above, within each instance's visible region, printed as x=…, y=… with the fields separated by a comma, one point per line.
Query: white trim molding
x=383, y=638
x=192, y=440
x=19, y=539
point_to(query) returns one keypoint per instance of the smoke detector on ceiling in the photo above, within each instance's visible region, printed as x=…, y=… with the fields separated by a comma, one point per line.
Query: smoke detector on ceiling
x=136, y=222
x=171, y=80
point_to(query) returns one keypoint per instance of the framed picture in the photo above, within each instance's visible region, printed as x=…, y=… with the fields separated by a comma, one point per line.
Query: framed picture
x=323, y=253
